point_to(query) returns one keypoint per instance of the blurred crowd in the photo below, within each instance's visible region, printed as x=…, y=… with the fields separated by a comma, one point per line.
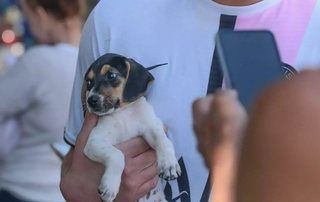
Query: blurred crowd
x=34, y=34
x=16, y=37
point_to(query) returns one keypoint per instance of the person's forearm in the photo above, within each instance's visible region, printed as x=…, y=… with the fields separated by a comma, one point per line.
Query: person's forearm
x=67, y=162
x=223, y=176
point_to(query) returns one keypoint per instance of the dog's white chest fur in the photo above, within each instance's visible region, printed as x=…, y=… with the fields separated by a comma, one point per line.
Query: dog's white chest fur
x=127, y=123
x=137, y=119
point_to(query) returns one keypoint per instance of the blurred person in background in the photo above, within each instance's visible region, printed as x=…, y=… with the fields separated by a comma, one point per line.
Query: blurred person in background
x=90, y=6
x=36, y=92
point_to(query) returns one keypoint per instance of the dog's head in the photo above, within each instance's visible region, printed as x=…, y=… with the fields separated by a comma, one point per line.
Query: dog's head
x=113, y=81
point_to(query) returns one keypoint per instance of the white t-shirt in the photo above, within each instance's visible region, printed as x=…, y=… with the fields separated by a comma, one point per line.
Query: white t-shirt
x=182, y=34
x=36, y=92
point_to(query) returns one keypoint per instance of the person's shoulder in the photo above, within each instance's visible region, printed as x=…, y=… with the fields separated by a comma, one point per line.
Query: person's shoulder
x=118, y=16
x=300, y=94
x=34, y=56
x=37, y=51
x=304, y=85
x=115, y=5
x=120, y=10
x=38, y=55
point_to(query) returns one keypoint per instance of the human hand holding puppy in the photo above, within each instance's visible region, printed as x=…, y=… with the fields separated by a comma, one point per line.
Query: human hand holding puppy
x=83, y=177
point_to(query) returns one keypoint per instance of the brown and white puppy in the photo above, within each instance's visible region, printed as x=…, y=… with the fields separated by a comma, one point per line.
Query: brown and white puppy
x=113, y=89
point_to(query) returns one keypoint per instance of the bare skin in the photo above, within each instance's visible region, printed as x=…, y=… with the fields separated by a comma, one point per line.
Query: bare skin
x=219, y=122
x=74, y=184
x=139, y=177
x=280, y=160
x=47, y=29
x=237, y=2
x=280, y=156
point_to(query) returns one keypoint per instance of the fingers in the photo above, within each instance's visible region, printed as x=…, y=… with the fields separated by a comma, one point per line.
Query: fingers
x=148, y=173
x=138, y=176
x=225, y=101
x=226, y=106
x=223, y=104
x=147, y=187
x=145, y=159
x=201, y=107
x=228, y=93
x=133, y=147
x=90, y=122
x=81, y=162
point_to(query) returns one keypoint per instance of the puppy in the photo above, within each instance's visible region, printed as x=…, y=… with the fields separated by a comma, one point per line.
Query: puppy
x=114, y=89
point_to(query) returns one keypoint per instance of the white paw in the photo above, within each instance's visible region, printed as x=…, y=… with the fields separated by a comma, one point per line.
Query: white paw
x=169, y=169
x=109, y=188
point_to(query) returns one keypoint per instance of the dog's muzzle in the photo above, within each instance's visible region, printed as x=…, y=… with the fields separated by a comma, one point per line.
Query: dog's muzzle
x=101, y=105
x=94, y=102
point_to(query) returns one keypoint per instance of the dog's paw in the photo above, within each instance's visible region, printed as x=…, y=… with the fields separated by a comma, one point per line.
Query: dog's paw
x=169, y=169
x=109, y=189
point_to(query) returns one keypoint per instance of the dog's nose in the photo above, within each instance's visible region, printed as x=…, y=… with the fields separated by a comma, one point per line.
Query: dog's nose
x=93, y=100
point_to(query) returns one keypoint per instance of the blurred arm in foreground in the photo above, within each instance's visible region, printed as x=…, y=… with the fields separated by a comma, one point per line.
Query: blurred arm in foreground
x=279, y=159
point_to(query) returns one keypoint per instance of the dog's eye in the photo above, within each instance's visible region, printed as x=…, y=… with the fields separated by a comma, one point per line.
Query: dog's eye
x=89, y=84
x=112, y=76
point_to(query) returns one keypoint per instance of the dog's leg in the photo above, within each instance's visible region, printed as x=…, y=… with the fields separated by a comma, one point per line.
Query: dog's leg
x=100, y=150
x=168, y=166
x=155, y=195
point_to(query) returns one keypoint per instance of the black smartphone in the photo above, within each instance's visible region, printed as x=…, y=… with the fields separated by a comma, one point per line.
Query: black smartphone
x=250, y=61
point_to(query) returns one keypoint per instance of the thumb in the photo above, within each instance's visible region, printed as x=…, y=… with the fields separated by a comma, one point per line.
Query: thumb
x=90, y=122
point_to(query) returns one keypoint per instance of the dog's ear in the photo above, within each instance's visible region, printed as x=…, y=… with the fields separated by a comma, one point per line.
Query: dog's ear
x=137, y=82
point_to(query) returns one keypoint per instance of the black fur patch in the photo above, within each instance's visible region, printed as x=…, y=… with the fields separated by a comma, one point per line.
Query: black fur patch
x=148, y=195
x=117, y=105
x=138, y=79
